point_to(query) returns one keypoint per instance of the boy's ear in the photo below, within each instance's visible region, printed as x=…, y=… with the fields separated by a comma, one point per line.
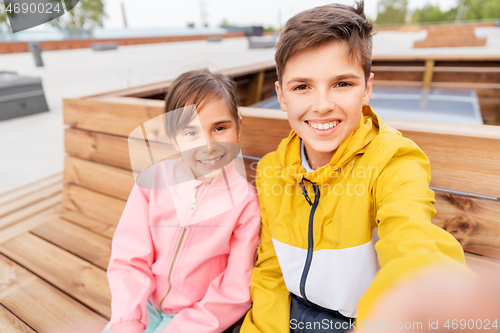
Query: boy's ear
x=279, y=93
x=368, y=90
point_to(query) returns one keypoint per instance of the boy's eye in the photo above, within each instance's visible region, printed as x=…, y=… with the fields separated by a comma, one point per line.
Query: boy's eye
x=301, y=87
x=343, y=84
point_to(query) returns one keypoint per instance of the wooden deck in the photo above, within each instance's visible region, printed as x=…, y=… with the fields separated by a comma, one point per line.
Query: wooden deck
x=52, y=263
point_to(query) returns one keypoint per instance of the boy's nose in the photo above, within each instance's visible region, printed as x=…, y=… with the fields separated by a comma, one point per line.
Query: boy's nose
x=324, y=103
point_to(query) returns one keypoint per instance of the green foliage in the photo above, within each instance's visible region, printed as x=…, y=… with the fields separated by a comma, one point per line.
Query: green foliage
x=391, y=11
x=270, y=29
x=481, y=9
x=431, y=13
x=82, y=19
x=224, y=24
x=394, y=11
x=4, y=23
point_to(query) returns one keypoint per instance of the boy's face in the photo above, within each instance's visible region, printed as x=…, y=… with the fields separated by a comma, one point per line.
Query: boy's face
x=210, y=140
x=323, y=91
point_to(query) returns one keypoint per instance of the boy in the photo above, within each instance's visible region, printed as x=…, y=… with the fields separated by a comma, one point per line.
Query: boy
x=345, y=200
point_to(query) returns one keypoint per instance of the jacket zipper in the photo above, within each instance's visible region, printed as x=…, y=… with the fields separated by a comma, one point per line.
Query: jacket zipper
x=172, y=265
x=310, y=238
x=189, y=216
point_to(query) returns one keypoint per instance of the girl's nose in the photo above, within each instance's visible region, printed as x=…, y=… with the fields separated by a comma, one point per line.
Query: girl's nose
x=212, y=147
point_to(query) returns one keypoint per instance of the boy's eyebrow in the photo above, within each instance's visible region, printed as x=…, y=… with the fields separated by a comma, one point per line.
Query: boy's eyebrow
x=298, y=79
x=335, y=78
x=346, y=76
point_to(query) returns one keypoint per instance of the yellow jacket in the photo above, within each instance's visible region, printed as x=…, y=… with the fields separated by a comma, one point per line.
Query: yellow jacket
x=371, y=225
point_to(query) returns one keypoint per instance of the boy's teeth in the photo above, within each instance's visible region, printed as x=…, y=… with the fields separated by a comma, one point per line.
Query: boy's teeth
x=324, y=126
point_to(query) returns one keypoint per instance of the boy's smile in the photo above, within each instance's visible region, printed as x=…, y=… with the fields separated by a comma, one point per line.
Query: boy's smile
x=323, y=91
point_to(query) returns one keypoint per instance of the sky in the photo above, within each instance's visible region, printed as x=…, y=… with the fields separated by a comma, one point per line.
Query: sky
x=170, y=13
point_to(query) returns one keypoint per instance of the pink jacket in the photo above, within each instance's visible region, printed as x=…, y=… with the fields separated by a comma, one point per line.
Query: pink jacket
x=193, y=257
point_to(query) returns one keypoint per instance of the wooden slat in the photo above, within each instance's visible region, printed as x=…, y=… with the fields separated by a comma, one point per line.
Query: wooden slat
x=95, y=226
x=30, y=188
x=74, y=276
x=112, y=181
x=92, y=204
x=459, y=57
x=257, y=121
x=112, y=150
x=30, y=199
x=98, y=115
x=464, y=175
x=77, y=240
x=11, y=324
x=42, y=306
x=30, y=211
x=473, y=221
x=429, y=71
x=107, y=149
x=24, y=226
x=254, y=89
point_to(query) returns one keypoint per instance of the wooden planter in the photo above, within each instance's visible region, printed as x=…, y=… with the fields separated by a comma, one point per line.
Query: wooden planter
x=464, y=158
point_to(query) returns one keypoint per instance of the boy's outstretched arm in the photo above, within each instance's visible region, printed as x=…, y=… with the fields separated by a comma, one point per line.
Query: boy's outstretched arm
x=409, y=242
x=270, y=311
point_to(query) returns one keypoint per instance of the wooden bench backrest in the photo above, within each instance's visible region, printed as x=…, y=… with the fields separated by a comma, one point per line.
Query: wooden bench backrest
x=464, y=158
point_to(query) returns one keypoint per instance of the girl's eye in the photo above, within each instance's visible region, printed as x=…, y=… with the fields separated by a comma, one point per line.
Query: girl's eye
x=219, y=129
x=190, y=133
x=343, y=84
x=301, y=87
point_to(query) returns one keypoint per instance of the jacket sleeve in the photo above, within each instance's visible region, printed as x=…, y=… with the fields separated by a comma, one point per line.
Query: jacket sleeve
x=270, y=311
x=129, y=271
x=228, y=295
x=409, y=242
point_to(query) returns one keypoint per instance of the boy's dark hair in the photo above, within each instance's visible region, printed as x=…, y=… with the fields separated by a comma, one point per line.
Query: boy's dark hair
x=197, y=87
x=323, y=24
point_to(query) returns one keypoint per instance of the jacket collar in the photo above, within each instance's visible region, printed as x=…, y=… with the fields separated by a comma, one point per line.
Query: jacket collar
x=288, y=151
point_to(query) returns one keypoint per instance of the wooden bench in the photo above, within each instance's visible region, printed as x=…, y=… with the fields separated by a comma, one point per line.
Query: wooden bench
x=54, y=248
x=52, y=263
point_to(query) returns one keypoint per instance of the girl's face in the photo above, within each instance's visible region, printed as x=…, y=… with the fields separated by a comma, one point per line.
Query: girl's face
x=210, y=141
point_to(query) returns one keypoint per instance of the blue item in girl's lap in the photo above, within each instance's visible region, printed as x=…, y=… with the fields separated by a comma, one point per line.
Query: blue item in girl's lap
x=157, y=321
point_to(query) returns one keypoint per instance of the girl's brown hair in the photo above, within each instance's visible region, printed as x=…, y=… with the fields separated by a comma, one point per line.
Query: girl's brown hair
x=197, y=87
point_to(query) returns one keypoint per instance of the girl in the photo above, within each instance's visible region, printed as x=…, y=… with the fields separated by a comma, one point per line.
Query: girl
x=183, y=251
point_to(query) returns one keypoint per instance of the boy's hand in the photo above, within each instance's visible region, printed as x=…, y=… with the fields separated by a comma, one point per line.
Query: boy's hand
x=439, y=300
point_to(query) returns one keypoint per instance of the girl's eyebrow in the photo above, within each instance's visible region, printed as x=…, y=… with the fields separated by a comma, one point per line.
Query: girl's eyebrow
x=221, y=122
